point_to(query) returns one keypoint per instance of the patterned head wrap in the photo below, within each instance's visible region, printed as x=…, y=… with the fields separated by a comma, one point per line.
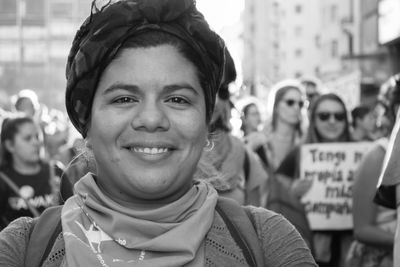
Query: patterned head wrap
x=112, y=22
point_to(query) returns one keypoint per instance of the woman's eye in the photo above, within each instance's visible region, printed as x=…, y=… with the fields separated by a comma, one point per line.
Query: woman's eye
x=178, y=100
x=124, y=99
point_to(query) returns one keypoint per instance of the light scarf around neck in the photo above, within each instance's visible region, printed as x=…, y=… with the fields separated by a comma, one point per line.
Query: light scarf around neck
x=100, y=232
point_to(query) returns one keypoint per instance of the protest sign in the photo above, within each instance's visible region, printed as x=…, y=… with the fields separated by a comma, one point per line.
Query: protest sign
x=331, y=167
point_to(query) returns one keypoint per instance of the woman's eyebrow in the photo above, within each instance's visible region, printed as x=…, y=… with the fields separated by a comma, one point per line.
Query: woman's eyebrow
x=118, y=86
x=180, y=86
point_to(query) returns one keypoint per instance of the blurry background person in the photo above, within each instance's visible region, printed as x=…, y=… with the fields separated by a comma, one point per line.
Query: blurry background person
x=21, y=161
x=374, y=226
x=52, y=122
x=251, y=119
x=27, y=102
x=313, y=88
x=285, y=128
x=237, y=172
x=328, y=123
x=363, y=124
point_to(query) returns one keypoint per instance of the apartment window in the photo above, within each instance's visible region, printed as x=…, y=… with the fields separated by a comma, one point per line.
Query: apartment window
x=334, y=49
x=251, y=9
x=298, y=9
x=333, y=12
x=8, y=12
x=34, y=12
x=298, y=52
x=317, y=71
x=61, y=10
x=8, y=6
x=252, y=28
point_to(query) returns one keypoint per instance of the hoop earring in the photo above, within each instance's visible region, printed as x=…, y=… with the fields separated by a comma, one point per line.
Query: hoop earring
x=209, y=146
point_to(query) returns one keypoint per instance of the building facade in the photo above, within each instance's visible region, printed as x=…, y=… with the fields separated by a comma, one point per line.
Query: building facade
x=335, y=41
x=35, y=38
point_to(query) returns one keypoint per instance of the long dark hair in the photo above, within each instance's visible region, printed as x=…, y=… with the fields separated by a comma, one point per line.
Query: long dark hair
x=9, y=129
x=313, y=136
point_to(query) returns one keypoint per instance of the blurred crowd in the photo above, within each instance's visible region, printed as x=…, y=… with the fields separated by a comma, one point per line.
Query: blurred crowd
x=260, y=167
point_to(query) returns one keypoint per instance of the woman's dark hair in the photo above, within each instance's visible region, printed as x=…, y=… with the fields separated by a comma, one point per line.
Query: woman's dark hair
x=313, y=136
x=359, y=112
x=279, y=94
x=9, y=129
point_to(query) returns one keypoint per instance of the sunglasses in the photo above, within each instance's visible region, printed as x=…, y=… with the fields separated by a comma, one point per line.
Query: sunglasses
x=324, y=116
x=291, y=102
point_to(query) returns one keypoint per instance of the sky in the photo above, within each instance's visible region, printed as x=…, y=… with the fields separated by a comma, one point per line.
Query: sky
x=220, y=13
x=223, y=16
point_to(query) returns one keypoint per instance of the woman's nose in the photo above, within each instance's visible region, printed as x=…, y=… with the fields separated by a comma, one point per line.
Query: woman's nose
x=150, y=116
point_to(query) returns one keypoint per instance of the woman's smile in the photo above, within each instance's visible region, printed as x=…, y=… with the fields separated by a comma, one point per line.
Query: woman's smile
x=147, y=152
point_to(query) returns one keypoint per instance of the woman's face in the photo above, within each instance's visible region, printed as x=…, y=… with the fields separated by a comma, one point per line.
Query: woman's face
x=290, y=106
x=252, y=118
x=148, y=125
x=26, y=145
x=330, y=120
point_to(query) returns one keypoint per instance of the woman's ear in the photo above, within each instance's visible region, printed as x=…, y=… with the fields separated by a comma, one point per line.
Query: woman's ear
x=9, y=146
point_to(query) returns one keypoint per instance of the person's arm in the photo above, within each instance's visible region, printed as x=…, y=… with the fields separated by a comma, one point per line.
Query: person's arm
x=364, y=209
x=254, y=140
x=281, y=242
x=287, y=174
x=257, y=181
x=13, y=242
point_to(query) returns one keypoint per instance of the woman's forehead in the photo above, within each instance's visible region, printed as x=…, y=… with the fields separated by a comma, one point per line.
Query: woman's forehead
x=292, y=92
x=329, y=105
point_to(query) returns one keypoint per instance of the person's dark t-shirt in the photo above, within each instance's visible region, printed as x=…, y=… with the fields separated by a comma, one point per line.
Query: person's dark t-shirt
x=37, y=187
x=290, y=164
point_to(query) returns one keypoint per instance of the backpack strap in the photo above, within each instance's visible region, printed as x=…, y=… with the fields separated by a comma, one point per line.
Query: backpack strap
x=246, y=166
x=44, y=234
x=242, y=230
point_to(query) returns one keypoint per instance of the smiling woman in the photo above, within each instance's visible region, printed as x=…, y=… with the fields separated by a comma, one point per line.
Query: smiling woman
x=142, y=82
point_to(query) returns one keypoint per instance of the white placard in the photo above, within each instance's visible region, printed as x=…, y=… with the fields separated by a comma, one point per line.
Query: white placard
x=331, y=166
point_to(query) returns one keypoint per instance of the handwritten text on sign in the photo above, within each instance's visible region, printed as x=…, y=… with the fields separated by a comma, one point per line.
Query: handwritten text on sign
x=331, y=167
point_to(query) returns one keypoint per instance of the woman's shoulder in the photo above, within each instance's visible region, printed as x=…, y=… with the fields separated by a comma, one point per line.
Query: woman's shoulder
x=266, y=220
x=281, y=242
x=13, y=241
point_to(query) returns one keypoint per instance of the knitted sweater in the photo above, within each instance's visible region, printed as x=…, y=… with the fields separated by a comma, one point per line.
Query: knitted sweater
x=281, y=243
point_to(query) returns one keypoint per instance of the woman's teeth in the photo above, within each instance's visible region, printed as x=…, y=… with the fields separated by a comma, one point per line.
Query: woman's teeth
x=150, y=150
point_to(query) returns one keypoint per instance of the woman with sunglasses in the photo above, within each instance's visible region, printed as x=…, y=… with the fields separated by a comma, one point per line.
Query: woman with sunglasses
x=374, y=225
x=285, y=128
x=328, y=123
x=143, y=76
